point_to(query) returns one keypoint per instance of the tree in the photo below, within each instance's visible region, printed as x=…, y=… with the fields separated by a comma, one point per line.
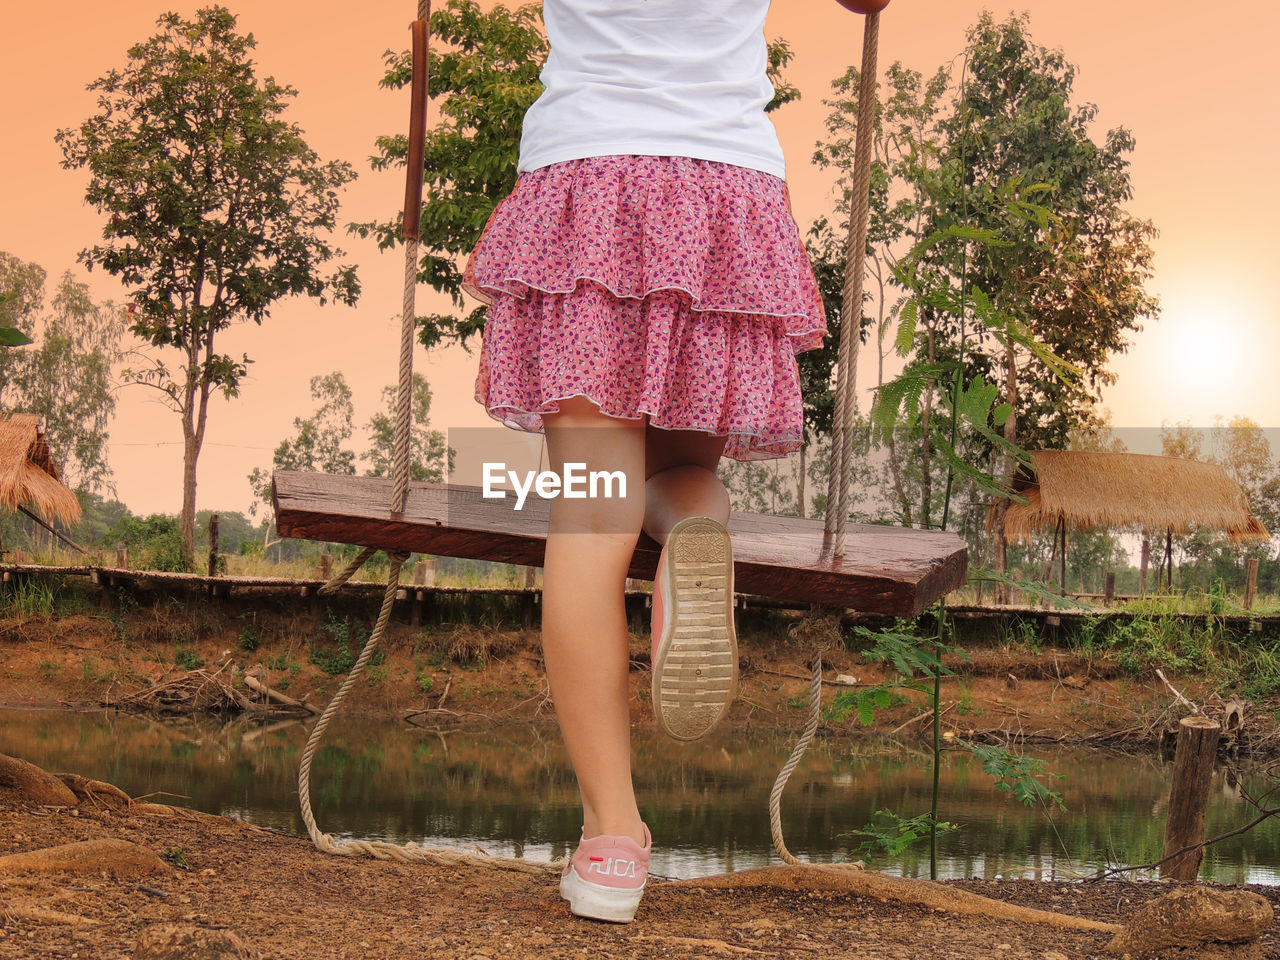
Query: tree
x=1077, y=282
x=317, y=446
x=484, y=76
x=428, y=448
x=66, y=376
x=1245, y=453
x=216, y=208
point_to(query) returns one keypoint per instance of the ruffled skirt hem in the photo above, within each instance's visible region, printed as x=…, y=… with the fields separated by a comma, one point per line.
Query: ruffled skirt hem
x=635, y=224
x=668, y=288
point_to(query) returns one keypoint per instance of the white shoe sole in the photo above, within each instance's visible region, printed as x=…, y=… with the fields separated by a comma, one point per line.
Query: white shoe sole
x=598, y=902
x=695, y=671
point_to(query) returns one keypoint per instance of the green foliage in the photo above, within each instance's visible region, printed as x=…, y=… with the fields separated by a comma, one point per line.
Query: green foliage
x=10, y=336
x=1016, y=774
x=249, y=638
x=27, y=597
x=889, y=833
x=318, y=446
x=338, y=654
x=176, y=856
x=1037, y=590
x=187, y=659
x=914, y=659
x=156, y=541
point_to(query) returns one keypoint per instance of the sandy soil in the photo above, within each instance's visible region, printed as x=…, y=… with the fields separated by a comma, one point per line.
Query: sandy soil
x=284, y=899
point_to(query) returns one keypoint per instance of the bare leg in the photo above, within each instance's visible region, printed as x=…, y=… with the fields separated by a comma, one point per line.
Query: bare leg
x=584, y=630
x=682, y=482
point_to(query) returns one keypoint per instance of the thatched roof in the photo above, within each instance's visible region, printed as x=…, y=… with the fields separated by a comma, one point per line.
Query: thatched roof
x=1117, y=490
x=27, y=472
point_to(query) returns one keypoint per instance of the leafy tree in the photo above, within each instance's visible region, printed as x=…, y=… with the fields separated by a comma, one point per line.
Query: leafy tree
x=1245, y=453
x=216, y=208
x=427, y=447
x=318, y=445
x=1241, y=447
x=1077, y=281
x=65, y=377
x=484, y=76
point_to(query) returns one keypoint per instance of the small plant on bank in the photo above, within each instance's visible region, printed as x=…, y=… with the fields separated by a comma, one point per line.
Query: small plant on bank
x=176, y=856
x=338, y=655
x=187, y=659
x=249, y=639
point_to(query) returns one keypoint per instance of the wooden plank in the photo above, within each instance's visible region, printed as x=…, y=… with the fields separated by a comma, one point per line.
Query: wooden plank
x=890, y=570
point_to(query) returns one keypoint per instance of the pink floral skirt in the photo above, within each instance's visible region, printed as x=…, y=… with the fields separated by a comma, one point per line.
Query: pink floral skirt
x=658, y=286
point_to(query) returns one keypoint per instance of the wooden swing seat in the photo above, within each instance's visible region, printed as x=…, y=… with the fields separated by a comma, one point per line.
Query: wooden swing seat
x=894, y=571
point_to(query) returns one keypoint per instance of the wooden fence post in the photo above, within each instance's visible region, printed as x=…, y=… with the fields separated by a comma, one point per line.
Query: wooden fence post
x=1250, y=583
x=213, y=553
x=326, y=566
x=1189, y=796
x=1142, y=574
x=1109, y=588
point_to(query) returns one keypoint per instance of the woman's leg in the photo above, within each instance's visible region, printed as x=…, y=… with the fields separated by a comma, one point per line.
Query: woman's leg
x=584, y=628
x=681, y=481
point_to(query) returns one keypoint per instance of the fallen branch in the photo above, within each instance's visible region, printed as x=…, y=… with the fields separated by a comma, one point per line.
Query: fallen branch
x=43, y=915
x=257, y=686
x=1174, y=690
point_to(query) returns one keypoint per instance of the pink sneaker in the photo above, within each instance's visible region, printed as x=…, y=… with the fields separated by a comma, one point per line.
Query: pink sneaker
x=605, y=877
x=695, y=648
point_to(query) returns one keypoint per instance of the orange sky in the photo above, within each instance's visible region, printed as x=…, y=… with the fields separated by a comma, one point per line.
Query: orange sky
x=1192, y=83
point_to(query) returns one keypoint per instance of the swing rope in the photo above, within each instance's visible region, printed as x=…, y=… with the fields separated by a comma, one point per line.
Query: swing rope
x=383, y=850
x=841, y=467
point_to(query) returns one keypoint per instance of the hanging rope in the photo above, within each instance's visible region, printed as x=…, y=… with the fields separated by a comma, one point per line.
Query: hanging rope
x=840, y=469
x=399, y=493
x=820, y=631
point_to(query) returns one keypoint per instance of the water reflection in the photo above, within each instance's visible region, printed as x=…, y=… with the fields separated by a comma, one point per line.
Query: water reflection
x=511, y=792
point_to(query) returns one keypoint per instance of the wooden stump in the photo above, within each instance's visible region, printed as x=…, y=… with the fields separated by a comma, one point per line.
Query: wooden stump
x=1189, y=796
x=1109, y=589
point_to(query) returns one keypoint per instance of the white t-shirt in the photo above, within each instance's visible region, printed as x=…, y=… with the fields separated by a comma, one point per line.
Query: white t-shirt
x=666, y=77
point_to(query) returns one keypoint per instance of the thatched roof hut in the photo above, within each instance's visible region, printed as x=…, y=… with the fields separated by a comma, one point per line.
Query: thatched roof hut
x=1083, y=489
x=28, y=474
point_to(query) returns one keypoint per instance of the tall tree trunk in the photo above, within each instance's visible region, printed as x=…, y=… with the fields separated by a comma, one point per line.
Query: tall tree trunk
x=189, y=454
x=1010, y=434
x=926, y=447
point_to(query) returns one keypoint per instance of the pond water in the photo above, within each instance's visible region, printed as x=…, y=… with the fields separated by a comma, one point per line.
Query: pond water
x=510, y=791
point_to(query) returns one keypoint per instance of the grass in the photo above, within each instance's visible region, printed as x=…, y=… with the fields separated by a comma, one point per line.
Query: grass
x=27, y=598
x=1235, y=660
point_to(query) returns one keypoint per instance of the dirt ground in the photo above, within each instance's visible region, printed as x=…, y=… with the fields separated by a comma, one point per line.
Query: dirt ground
x=285, y=899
